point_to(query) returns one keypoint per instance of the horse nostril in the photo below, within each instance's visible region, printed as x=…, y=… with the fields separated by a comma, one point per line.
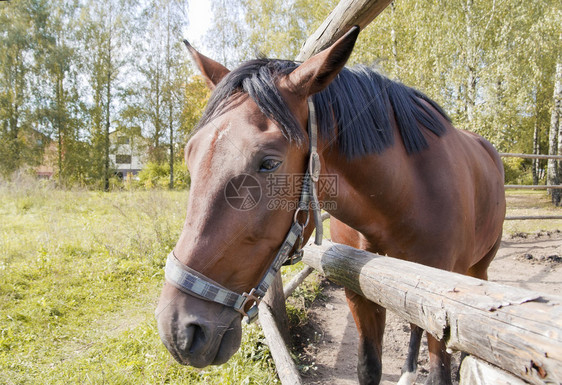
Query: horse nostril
x=184, y=339
x=198, y=339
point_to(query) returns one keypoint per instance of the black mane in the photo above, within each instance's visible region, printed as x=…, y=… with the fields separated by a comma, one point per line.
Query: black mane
x=354, y=109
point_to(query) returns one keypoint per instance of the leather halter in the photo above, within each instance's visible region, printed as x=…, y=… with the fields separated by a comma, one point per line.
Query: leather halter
x=192, y=282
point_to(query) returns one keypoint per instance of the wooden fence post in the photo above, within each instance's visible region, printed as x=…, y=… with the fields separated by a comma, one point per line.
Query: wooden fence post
x=275, y=300
x=476, y=372
x=286, y=369
x=346, y=14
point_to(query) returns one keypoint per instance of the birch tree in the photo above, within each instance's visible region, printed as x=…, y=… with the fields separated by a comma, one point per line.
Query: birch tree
x=555, y=142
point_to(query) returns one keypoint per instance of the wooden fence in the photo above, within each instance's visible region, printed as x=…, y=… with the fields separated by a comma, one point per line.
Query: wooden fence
x=532, y=187
x=272, y=309
x=513, y=335
x=532, y=156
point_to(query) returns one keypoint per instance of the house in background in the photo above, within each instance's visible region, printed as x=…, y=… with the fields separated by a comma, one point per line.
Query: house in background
x=46, y=169
x=127, y=154
x=41, y=152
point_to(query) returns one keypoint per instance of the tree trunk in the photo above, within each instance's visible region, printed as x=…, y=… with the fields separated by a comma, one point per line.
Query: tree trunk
x=393, y=39
x=470, y=101
x=171, y=147
x=553, y=172
x=170, y=102
x=107, y=126
x=59, y=128
x=109, y=64
x=536, y=151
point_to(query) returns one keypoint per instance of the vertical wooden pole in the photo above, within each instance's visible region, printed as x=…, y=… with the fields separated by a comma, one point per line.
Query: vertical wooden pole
x=275, y=300
x=286, y=368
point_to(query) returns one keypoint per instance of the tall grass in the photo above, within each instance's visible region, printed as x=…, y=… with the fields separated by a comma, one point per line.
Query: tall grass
x=80, y=274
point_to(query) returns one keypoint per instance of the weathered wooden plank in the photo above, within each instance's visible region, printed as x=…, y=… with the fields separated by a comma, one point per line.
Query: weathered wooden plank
x=346, y=14
x=275, y=300
x=529, y=156
x=296, y=281
x=284, y=364
x=532, y=187
x=476, y=372
x=512, y=328
x=531, y=217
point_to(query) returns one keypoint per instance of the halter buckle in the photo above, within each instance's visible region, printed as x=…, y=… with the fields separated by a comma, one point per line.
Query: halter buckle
x=295, y=258
x=252, y=313
x=314, y=166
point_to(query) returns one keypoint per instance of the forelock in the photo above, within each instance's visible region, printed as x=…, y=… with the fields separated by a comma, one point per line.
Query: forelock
x=257, y=79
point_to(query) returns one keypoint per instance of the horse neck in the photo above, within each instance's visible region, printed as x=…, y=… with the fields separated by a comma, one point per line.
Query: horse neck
x=369, y=188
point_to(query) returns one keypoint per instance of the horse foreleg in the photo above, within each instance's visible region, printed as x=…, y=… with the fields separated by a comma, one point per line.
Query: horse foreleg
x=370, y=319
x=439, y=363
x=410, y=367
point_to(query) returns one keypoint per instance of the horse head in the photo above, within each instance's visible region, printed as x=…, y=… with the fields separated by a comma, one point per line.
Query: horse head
x=251, y=136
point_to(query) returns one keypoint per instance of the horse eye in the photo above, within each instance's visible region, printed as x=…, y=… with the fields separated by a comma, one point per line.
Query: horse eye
x=269, y=165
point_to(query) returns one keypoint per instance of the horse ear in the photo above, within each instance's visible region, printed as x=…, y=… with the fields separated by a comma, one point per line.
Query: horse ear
x=316, y=73
x=212, y=71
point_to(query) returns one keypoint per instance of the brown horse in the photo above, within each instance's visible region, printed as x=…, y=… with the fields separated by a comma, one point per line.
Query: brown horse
x=409, y=185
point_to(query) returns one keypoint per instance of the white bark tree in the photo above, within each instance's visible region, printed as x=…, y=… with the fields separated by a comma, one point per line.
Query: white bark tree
x=554, y=170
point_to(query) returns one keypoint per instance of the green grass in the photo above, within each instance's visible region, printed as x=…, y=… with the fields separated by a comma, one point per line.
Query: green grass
x=80, y=274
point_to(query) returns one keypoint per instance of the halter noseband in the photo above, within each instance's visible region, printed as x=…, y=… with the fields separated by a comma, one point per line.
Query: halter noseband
x=192, y=282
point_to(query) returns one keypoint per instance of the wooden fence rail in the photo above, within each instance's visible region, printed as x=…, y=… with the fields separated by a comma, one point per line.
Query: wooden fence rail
x=532, y=187
x=530, y=156
x=346, y=14
x=514, y=329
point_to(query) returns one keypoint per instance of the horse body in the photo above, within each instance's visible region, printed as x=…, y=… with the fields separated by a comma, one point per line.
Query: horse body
x=409, y=207
x=408, y=185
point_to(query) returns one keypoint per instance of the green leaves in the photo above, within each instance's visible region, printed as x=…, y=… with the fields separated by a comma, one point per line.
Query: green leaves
x=71, y=72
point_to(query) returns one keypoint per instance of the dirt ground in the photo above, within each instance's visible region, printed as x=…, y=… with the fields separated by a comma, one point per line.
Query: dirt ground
x=530, y=261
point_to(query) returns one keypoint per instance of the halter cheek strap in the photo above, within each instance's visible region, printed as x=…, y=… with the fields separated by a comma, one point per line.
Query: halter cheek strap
x=192, y=282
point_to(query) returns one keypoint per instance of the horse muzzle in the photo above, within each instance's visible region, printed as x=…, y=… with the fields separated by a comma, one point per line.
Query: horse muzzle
x=197, y=332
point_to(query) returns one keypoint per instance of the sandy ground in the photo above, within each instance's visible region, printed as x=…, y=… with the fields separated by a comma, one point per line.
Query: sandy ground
x=530, y=261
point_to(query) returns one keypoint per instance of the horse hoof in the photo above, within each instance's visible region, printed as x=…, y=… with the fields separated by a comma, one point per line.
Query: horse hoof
x=407, y=378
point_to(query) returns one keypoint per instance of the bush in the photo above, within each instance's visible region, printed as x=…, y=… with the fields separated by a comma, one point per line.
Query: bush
x=518, y=171
x=157, y=175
